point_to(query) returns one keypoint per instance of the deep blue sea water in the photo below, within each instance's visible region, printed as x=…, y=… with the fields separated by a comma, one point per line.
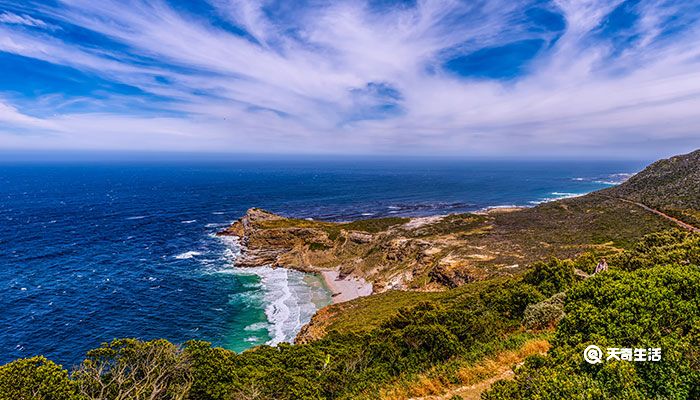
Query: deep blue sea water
x=93, y=251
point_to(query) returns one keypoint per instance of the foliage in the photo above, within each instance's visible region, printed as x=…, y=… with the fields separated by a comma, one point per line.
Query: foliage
x=315, y=246
x=551, y=277
x=35, y=378
x=661, y=248
x=650, y=307
x=132, y=369
x=545, y=314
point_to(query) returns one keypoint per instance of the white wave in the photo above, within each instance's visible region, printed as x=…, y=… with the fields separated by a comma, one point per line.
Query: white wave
x=256, y=326
x=218, y=213
x=367, y=214
x=501, y=206
x=189, y=221
x=556, y=196
x=565, y=194
x=137, y=217
x=282, y=308
x=187, y=255
x=216, y=225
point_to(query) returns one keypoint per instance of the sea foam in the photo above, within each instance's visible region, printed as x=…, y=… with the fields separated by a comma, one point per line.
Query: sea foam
x=187, y=255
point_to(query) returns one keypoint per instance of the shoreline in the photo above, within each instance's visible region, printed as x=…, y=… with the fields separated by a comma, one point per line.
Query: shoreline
x=346, y=289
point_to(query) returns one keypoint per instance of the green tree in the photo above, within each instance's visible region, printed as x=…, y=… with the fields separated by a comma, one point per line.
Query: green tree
x=35, y=378
x=551, y=277
x=132, y=369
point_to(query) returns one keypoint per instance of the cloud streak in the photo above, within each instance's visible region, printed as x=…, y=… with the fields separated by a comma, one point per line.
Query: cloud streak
x=350, y=77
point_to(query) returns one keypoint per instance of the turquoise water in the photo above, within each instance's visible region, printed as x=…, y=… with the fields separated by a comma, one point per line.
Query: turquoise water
x=279, y=301
x=93, y=251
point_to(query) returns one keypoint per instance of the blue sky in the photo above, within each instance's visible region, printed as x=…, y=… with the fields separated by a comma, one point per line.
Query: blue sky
x=506, y=78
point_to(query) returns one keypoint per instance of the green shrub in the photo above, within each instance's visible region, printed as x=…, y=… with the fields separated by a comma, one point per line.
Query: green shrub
x=551, y=277
x=661, y=248
x=318, y=246
x=653, y=307
x=35, y=378
x=545, y=314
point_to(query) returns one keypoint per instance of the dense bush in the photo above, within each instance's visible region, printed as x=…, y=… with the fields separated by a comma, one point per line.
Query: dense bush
x=545, y=314
x=551, y=277
x=35, y=378
x=653, y=306
x=661, y=248
x=132, y=369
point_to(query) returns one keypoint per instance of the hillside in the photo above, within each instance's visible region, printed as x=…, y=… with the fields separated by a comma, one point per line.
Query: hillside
x=671, y=185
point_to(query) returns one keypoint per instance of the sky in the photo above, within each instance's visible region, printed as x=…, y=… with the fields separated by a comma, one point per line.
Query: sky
x=507, y=78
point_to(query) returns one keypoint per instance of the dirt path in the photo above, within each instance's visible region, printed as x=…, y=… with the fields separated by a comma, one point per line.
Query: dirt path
x=479, y=377
x=668, y=217
x=472, y=392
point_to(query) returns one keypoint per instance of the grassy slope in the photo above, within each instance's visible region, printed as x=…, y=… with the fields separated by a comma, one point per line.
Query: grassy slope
x=480, y=246
x=589, y=224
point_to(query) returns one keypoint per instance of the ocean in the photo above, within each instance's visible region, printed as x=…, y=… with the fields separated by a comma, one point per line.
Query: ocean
x=91, y=251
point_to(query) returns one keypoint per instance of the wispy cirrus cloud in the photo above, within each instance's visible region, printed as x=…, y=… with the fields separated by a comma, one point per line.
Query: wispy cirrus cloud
x=14, y=19
x=491, y=78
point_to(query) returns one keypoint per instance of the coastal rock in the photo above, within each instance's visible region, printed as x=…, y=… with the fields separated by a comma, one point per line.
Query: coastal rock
x=268, y=239
x=359, y=237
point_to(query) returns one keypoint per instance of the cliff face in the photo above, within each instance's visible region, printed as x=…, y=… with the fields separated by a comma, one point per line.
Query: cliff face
x=269, y=239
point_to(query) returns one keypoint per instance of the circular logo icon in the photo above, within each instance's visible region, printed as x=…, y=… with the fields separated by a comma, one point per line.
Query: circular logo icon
x=593, y=354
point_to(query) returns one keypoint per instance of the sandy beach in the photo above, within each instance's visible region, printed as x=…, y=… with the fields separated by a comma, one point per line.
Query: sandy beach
x=345, y=289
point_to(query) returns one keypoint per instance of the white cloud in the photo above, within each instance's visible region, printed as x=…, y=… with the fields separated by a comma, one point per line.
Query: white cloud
x=10, y=18
x=276, y=91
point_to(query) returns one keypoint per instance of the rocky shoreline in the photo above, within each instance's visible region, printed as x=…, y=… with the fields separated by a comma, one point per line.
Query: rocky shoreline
x=287, y=247
x=350, y=255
